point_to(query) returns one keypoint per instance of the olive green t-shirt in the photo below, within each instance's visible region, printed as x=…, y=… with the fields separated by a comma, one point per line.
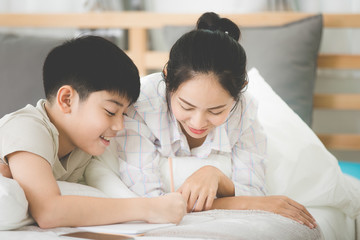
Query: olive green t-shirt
x=30, y=129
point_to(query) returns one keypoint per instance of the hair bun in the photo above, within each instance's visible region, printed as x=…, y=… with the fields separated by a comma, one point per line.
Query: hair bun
x=212, y=21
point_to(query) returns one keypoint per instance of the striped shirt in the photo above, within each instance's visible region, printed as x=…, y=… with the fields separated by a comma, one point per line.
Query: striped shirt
x=151, y=134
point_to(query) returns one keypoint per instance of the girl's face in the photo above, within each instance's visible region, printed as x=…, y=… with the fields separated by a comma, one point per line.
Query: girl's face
x=200, y=105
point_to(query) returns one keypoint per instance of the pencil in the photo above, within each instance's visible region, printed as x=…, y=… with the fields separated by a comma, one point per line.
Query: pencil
x=172, y=188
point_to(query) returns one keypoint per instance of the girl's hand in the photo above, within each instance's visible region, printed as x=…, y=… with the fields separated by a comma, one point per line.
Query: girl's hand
x=286, y=207
x=5, y=170
x=199, y=190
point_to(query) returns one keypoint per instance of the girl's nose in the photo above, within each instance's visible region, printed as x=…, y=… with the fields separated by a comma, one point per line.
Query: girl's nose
x=198, y=120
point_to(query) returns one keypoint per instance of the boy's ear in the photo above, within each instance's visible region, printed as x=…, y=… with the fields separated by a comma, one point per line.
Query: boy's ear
x=65, y=98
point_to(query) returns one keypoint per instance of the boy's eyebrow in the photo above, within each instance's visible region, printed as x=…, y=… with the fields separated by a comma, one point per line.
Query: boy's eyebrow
x=212, y=108
x=116, y=102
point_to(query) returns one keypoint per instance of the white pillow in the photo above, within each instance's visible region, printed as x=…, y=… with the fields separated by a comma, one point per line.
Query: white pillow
x=13, y=205
x=77, y=189
x=299, y=166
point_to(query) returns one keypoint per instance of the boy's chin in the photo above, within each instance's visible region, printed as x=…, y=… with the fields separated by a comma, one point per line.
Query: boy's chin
x=95, y=152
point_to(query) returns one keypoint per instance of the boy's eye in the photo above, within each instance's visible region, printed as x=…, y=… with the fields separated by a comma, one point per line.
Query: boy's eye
x=110, y=113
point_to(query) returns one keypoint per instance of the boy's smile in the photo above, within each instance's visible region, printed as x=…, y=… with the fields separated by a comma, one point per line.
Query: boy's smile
x=106, y=140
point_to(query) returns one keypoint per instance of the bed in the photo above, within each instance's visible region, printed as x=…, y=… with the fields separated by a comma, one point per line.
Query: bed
x=289, y=60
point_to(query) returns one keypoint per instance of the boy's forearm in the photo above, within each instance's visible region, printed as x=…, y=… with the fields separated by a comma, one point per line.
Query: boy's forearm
x=76, y=211
x=5, y=170
x=84, y=211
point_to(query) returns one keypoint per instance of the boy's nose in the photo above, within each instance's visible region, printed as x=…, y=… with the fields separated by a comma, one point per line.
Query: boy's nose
x=118, y=124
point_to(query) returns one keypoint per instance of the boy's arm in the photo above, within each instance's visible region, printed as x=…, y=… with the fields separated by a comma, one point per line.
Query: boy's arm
x=5, y=170
x=50, y=209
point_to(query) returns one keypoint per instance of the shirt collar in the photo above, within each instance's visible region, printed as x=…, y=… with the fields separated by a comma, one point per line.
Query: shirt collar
x=220, y=138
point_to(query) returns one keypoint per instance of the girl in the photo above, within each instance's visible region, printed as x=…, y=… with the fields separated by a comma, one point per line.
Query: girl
x=198, y=113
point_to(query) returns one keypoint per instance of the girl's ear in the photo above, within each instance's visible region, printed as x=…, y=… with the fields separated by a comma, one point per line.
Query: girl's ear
x=164, y=71
x=65, y=98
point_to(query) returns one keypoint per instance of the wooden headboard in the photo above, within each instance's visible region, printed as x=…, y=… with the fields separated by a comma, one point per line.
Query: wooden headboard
x=137, y=24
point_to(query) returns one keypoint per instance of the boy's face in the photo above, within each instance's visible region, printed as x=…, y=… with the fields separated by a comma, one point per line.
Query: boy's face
x=96, y=120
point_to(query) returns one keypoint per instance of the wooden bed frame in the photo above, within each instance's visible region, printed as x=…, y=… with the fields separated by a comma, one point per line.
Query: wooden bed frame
x=137, y=24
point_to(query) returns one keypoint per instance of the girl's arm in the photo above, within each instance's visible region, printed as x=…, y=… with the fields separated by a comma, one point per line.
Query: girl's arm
x=50, y=209
x=276, y=204
x=248, y=175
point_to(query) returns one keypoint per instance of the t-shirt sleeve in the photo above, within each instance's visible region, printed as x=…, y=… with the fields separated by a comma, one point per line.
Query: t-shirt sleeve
x=29, y=134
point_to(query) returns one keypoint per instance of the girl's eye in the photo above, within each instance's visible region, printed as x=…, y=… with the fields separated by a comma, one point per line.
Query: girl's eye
x=110, y=113
x=217, y=113
x=186, y=109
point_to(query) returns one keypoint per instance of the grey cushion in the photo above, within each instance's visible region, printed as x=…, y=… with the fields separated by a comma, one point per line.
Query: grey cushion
x=285, y=56
x=21, y=60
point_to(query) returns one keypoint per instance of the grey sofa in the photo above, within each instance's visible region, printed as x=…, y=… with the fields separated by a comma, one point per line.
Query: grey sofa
x=21, y=59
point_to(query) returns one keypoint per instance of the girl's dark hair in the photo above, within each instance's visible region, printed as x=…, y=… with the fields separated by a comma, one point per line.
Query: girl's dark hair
x=212, y=47
x=90, y=64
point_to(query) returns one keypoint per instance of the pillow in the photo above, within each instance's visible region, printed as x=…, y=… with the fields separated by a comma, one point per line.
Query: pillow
x=13, y=205
x=237, y=224
x=298, y=164
x=77, y=189
x=285, y=55
x=21, y=59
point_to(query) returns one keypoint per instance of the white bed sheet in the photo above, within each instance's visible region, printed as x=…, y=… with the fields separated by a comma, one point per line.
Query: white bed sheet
x=215, y=224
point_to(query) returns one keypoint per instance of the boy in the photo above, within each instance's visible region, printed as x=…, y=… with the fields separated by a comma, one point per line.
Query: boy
x=89, y=83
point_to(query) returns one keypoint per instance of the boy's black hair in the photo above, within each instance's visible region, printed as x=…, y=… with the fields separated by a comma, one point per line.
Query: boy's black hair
x=90, y=64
